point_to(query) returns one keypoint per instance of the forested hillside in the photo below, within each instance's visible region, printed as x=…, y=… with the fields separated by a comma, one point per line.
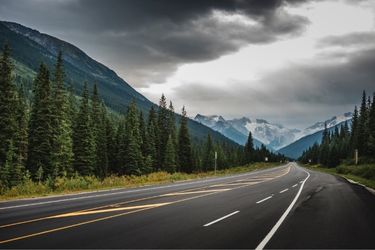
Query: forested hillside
x=57, y=134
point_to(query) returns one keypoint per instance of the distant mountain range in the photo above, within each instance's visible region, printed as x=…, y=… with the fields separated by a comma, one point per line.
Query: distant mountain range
x=274, y=136
x=30, y=48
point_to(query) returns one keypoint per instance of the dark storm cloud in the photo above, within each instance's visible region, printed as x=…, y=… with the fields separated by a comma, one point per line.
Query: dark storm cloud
x=297, y=96
x=349, y=40
x=147, y=40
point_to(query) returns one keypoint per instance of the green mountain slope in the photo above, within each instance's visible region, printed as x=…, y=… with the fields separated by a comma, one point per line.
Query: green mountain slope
x=30, y=48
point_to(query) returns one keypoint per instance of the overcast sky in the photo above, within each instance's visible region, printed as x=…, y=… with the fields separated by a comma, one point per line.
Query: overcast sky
x=294, y=62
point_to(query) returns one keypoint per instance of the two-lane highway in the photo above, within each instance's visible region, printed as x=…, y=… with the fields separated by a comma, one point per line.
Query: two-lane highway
x=282, y=207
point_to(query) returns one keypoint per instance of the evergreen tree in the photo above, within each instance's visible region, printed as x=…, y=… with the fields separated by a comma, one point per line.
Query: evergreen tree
x=209, y=154
x=362, y=127
x=134, y=160
x=83, y=140
x=21, y=136
x=249, y=149
x=163, y=129
x=62, y=142
x=371, y=128
x=354, y=132
x=40, y=129
x=8, y=104
x=98, y=126
x=121, y=143
x=153, y=137
x=170, y=156
x=184, y=145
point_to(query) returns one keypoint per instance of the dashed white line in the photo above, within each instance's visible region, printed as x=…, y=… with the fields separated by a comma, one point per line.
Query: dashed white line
x=266, y=239
x=295, y=185
x=220, y=219
x=269, y=197
x=300, y=181
x=282, y=191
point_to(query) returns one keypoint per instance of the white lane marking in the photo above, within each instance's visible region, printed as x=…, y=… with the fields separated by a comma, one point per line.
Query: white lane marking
x=300, y=181
x=220, y=219
x=295, y=185
x=266, y=239
x=282, y=191
x=135, y=190
x=269, y=197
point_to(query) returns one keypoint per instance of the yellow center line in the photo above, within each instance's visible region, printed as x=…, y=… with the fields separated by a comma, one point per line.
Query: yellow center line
x=116, y=204
x=147, y=207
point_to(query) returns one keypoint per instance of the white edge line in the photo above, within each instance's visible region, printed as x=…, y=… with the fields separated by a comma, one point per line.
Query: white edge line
x=266, y=239
x=282, y=191
x=269, y=197
x=220, y=219
x=295, y=185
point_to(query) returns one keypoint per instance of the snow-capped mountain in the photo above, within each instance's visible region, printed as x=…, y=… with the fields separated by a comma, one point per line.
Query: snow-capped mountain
x=274, y=136
x=319, y=126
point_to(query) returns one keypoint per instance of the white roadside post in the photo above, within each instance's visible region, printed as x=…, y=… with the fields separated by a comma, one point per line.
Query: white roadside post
x=356, y=156
x=215, y=161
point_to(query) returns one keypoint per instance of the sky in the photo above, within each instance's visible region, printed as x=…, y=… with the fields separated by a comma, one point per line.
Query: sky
x=293, y=62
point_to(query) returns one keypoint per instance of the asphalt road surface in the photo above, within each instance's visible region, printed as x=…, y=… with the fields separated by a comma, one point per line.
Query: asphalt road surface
x=282, y=207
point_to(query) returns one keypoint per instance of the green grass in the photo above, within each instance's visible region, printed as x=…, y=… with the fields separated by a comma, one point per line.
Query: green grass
x=65, y=185
x=363, y=174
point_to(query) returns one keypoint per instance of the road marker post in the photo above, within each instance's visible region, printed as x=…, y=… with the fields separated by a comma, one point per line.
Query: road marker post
x=215, y=161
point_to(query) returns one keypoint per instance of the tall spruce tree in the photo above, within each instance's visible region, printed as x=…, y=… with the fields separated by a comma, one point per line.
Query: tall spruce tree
x=363, y=126
x=249, y=149
x=170, y=156
x=153, y=137
x=371, y=128
x=184, y=145
x=163, y=129
x=83, y=140
x=209, y=154
x=21, y=136
x=62, y=132
x=8, y=104
x=134, y=159
x=40, y=128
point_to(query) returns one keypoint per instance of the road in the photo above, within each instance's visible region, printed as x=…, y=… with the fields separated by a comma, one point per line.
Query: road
x=283, y=207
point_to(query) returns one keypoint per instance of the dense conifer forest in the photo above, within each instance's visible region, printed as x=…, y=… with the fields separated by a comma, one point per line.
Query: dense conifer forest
x=340, y=145
x=51, y=132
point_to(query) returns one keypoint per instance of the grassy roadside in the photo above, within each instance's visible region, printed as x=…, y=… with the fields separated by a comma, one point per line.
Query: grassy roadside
x=64, y=185
x=363, y=174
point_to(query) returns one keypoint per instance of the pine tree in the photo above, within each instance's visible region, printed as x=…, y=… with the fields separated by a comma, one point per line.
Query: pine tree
x=8, y=104
x=209, y=154
x=40, y=129
x=21, y=136
x=170, y=156
x=371, y=128
x=184, y=145
x=134, y=160
x=121, y=143
x=249, y=149
x=354, y=132
x=153, y=137
x=163, y=129
x=62, y=142
x=83, y=140
x=98, y=126
x=362, y=126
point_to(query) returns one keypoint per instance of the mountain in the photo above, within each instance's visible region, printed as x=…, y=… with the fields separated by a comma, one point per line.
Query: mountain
x=30, y=48
x=218, y=123
x=319, y=126
x=295, y=149
x=271, y=135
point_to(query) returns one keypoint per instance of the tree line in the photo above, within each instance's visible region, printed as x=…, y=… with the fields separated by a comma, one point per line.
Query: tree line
x=343, y=141
x=59, y=134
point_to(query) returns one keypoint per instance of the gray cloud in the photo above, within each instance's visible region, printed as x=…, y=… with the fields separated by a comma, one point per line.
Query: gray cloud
x=297, y=96
x=144, y=40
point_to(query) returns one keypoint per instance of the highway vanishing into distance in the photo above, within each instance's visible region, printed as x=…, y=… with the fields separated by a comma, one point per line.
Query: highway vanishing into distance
x=282, y=207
